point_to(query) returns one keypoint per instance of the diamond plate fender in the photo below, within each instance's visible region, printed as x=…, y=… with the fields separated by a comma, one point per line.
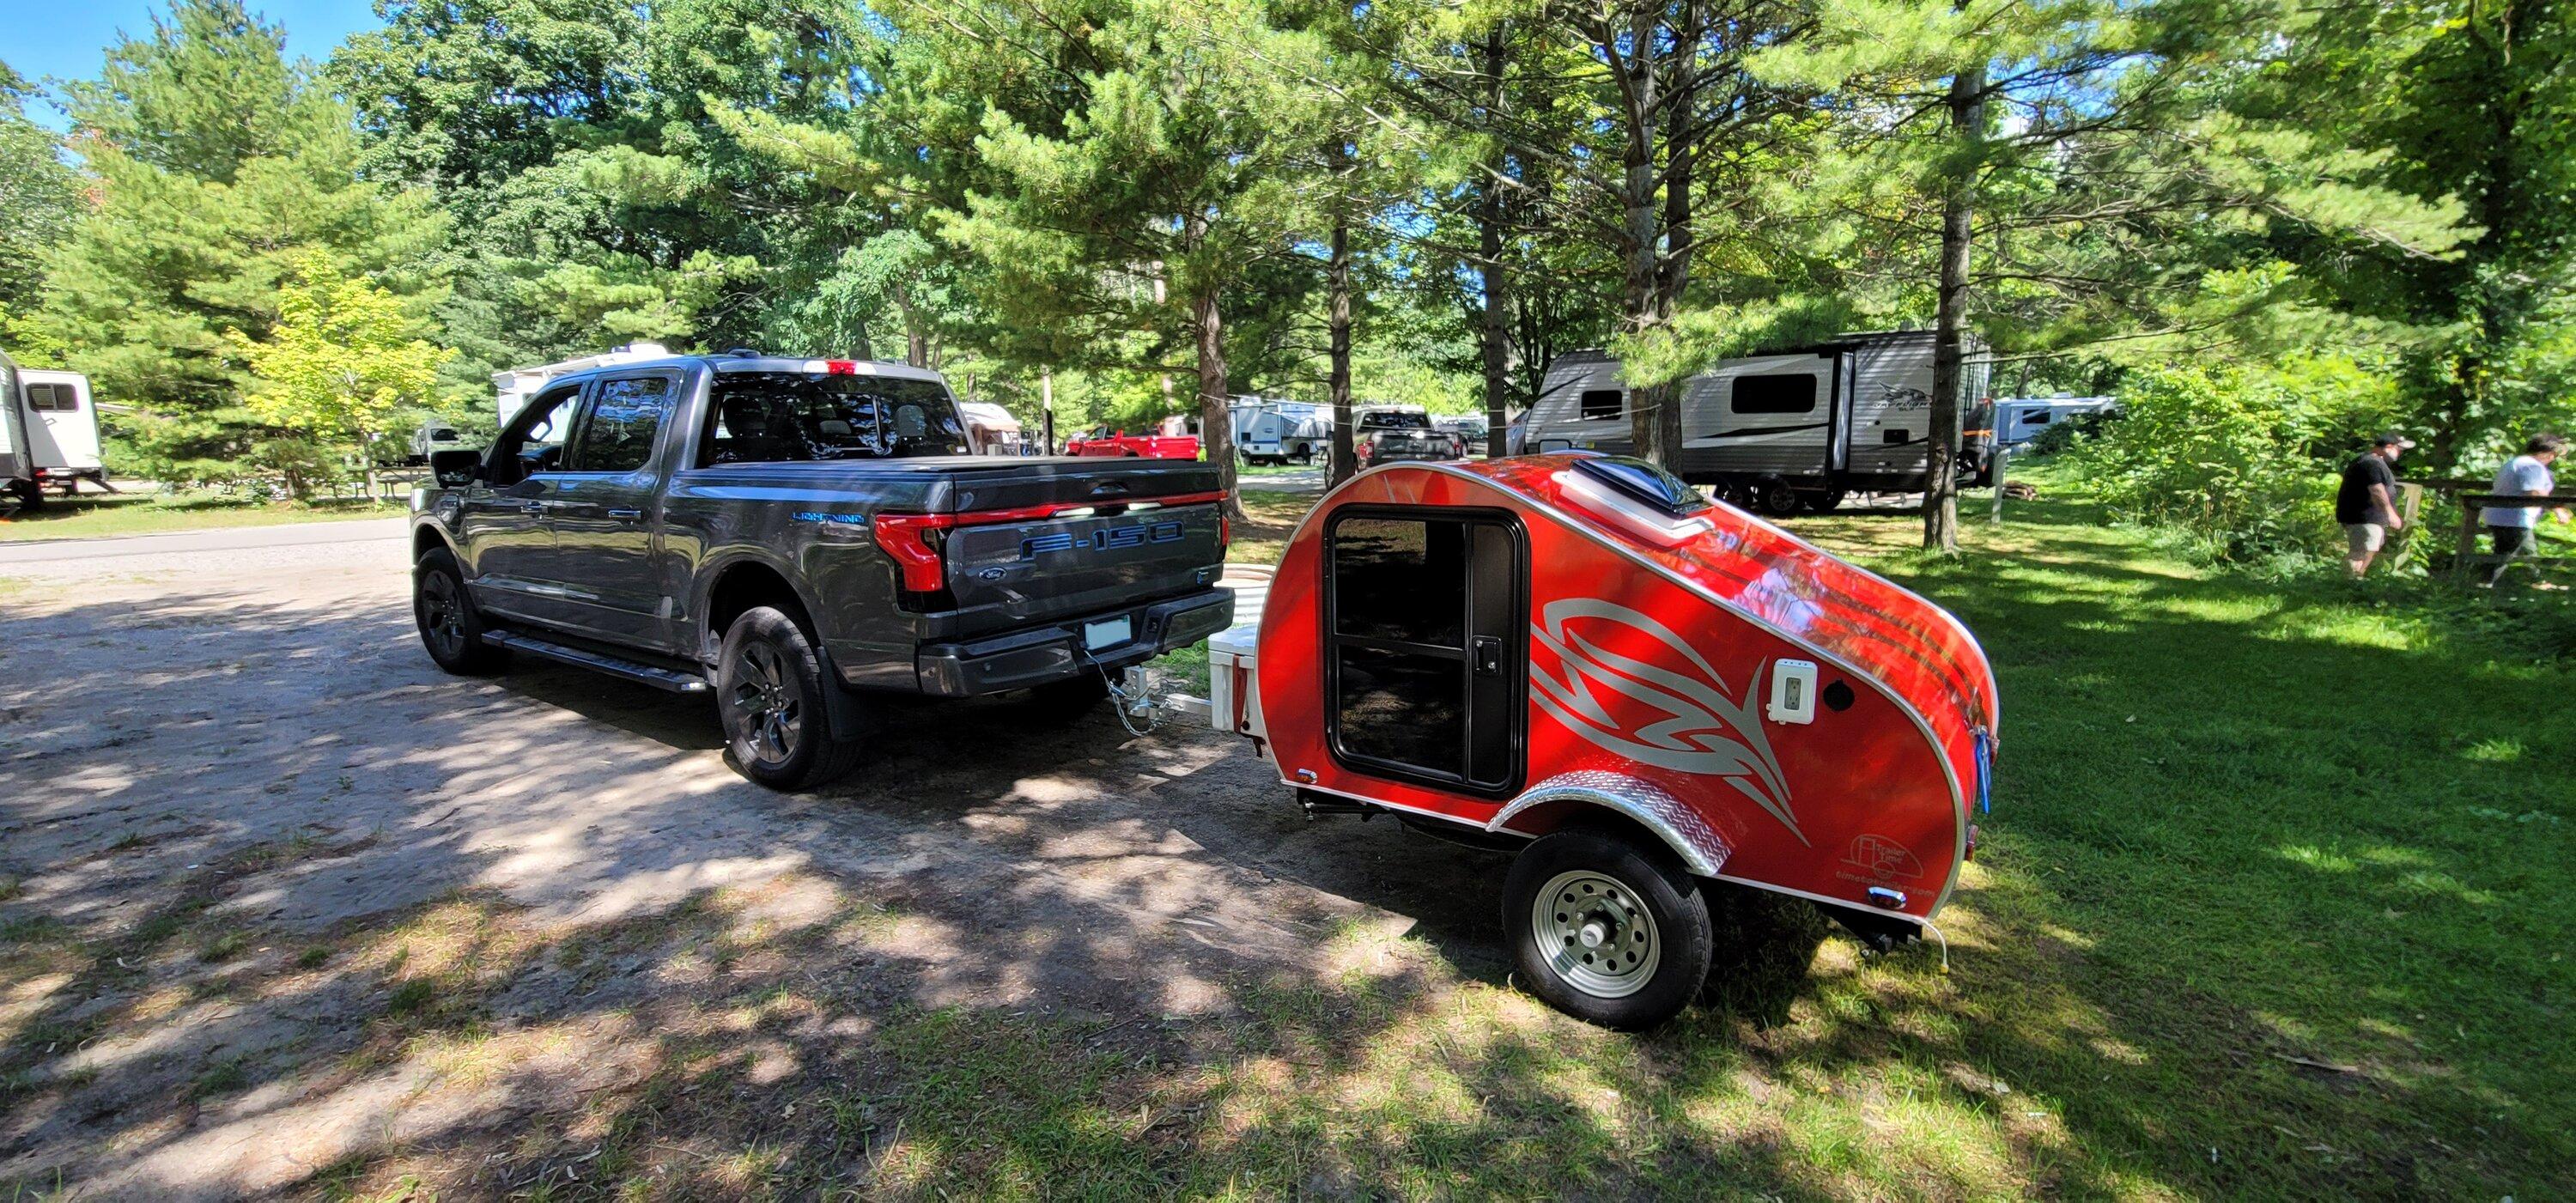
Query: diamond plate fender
x=1680, y=827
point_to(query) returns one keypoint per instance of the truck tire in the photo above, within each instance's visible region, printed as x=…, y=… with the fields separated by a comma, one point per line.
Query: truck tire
x=450, y=628
x=770, y=690
x=1606, y=928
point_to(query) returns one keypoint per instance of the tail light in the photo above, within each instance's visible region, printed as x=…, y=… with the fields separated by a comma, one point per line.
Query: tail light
x=1224, y=531
x=916, y=542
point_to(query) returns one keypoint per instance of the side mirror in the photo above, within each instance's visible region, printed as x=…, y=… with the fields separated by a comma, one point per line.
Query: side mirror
x=455, y=468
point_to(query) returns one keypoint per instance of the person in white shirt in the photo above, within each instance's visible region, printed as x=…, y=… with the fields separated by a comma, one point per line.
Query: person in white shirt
x=2509, y=527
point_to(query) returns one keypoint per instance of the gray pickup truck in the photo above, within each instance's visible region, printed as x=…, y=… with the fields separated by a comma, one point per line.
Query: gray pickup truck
x=806, y=537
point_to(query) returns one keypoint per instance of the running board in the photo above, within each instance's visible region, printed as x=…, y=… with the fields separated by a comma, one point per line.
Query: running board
x=645, y=674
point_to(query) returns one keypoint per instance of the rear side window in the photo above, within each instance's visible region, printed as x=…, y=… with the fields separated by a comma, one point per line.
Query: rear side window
x=1601, y=404
x=54, y=398
x=625, y=416
x=782, y=417
x=1787, y=393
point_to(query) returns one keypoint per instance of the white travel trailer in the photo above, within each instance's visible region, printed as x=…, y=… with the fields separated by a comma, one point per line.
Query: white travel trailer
x=2018, y=420
x=48, y=432
x=991, y=430
x=1274, y=432
x=1786, y=430
x=512, y=387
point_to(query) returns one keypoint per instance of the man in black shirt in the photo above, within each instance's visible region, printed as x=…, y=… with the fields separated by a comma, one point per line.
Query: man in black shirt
x=2366, y=505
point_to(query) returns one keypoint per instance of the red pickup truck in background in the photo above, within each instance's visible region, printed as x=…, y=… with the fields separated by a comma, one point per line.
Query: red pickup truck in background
x=1171, y=439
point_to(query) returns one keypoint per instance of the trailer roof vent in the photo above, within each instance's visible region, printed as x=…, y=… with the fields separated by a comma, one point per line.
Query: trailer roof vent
x=1640, y=481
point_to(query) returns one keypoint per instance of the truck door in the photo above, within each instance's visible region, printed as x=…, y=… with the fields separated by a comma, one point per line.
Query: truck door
x=502, y=521
x=1426, y=641
x=606, y=510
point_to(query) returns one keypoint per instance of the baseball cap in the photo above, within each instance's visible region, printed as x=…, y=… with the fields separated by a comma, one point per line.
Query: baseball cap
x=2390, y=438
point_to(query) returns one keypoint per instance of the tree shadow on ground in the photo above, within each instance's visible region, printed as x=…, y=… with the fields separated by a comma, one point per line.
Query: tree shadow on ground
x=294, y=913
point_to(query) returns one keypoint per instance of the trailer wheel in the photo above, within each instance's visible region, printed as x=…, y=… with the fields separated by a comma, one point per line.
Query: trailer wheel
x=1607, y=929
x=770, y=691
x=450, y=628
x=1776, y=497
x=31, y=496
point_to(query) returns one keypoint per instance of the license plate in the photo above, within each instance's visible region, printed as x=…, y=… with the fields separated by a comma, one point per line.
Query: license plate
x=1110, y=633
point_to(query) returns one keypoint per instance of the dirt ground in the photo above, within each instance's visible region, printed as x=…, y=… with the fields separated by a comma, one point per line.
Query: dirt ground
x=285, y=910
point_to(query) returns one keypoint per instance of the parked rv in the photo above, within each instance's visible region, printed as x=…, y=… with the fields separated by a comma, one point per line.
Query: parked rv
x=48, y=433
x=991, y=430
x=1275, y=432
x=2013, y=421
x=1787, y=430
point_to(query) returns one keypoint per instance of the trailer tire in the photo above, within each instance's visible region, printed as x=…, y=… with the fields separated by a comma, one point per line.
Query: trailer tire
x=1577, y=895
x=1777, y=497
x=31, y=496
x=451, y=630
x=770, y=693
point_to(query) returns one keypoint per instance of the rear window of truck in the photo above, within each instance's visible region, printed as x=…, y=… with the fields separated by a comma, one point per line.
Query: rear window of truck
x=782, y=417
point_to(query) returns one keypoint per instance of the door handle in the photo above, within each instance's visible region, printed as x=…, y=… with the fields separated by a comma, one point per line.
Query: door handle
x=625, y=513
x=533, y=507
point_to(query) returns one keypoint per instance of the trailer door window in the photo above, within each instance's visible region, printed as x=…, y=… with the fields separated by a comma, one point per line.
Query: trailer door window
x=1603, y=404
x=53, y=398
x=1776, y=393
x=1423, y=674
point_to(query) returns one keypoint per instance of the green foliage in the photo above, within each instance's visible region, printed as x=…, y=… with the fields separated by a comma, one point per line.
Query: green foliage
x=220, y=166
x=338, y=365
x=39, y=200
x=2223, y=456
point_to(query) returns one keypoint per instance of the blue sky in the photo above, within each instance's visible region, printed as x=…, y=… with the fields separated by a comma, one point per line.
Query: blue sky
x=66, y=38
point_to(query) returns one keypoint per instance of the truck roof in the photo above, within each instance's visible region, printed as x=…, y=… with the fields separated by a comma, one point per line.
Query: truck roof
x=895, y=370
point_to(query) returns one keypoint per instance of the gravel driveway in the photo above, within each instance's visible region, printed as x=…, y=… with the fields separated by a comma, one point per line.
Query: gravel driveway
x=283, y=908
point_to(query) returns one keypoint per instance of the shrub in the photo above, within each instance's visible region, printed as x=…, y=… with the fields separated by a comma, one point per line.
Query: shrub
x=2219, y=455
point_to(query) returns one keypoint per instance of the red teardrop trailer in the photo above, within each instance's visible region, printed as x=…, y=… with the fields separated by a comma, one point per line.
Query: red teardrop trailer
x=1580, y=656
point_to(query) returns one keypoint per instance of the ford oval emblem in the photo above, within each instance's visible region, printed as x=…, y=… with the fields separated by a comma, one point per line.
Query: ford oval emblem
x=990, y=574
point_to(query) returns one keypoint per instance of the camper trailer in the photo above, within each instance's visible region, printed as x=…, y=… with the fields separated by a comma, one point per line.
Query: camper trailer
x=1647, y=697
x=511, y=387
x=1275, y=432
x=1783, y=431
x=991, y=430
x=2018, y=420
x=48, y=433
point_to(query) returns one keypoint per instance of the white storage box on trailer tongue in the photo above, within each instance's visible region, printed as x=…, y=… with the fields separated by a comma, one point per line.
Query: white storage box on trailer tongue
x=1234, y=696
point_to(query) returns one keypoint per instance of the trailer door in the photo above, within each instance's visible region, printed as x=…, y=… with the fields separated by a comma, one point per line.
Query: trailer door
x=1426, y=639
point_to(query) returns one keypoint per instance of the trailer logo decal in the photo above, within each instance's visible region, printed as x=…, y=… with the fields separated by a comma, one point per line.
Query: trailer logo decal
x=1673, y=715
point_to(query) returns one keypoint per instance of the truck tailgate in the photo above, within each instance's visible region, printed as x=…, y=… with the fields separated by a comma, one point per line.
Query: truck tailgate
x=1060, y=542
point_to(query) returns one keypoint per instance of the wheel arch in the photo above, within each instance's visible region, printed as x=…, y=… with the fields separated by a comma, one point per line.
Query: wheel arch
x=1595, y=798
x=742, y=583
x=427, y=537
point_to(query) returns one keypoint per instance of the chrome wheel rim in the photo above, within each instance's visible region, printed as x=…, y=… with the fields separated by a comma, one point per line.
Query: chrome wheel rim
x=1596, y=933
x=767, y=717
x=442, y=614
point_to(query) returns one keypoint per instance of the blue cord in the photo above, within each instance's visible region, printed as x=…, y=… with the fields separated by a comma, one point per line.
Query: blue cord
x=1985, y=772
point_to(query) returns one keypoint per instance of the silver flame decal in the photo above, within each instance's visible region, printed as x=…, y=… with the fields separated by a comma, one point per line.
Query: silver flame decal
x=1706, y=732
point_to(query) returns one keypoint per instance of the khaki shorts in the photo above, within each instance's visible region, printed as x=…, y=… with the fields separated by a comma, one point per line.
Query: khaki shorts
x=2365, y=537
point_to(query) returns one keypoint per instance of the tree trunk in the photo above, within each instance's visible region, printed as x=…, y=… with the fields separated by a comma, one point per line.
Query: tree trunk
x=1967, y=105
x=1496, y=333
x=1338, y=375
x=1216, y=426
x=916, y=341
x=1643, y=294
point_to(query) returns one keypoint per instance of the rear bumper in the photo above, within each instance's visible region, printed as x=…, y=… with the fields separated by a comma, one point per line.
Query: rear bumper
x=1055, y=652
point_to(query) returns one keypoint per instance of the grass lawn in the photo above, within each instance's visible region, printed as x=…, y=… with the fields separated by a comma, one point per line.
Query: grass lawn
x=2272, y=904
x=92, y=514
